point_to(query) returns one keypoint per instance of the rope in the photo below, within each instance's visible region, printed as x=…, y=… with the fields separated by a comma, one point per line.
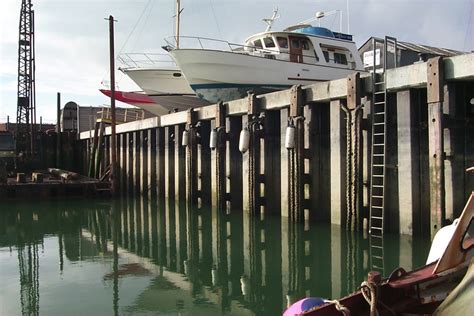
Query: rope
x=252, y=171
x=356, y=155
x=369, y=292
x=348, y=168
x=339, y=307
x=353, y=119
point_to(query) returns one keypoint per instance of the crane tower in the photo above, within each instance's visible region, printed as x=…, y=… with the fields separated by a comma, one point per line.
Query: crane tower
x=26, y=102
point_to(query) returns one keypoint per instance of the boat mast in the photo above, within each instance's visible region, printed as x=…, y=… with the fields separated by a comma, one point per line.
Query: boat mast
x=178, y=13
x=270, y=21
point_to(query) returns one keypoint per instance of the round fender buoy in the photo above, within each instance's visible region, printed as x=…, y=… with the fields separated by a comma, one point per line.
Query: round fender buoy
x=303, y=305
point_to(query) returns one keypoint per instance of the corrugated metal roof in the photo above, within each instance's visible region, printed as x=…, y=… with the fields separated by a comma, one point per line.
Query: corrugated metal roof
x=424, y=49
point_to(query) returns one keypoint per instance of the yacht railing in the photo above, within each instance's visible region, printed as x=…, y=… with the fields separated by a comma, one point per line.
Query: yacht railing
x=216, y=44
x=121, y=115
x=194, y=42
x=145, y=60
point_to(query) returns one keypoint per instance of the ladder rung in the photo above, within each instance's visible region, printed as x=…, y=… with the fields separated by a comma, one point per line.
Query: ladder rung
x=380, y=82
x=379, y=134
x=379, y=247
x=379, y=103
x=377, y=186
x=377, y=196
x=379, y=113
x=377, y=165
x=379, y=92
x=377, y=236
x=379, y=155
x=376, y=206
x=378, y=228
x=377, y=217
x=379, y=123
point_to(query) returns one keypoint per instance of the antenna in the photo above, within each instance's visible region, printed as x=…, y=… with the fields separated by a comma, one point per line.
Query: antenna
x=269, y=21
x=347, y=9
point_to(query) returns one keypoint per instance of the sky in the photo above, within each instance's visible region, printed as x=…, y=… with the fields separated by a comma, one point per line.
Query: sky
x=72, y=35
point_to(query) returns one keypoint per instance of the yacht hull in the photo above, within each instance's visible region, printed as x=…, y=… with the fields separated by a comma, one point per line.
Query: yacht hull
x=222, y=76
x=158, y=104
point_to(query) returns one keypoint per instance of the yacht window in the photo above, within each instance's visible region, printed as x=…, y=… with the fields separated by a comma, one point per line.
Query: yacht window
x=340, y=58
x=282, y=42
x=305, y=44
x=269, y=42
x=326, y=55
x=295, y=43
x=258, y=43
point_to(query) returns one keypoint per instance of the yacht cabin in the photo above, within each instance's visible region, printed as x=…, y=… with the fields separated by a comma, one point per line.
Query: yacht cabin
x=308, y=45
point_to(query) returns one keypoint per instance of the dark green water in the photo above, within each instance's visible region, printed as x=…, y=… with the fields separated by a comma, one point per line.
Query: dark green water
x=135, y=258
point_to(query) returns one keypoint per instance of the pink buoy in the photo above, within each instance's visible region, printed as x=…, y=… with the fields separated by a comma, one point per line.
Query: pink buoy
x=303, y=305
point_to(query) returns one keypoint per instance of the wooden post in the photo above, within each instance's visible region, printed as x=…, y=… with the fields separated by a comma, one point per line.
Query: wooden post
x=130, y=166
x=221, y=157
x=254, y=152
x=151, y=153
x=296, y=157
x=235, y=164
x=160, y=169
x=58, y=131
x=144, y=141
x=319, y=164
x=113, y=167
x=181, y=167
x=436, y=143
x=205, y=164
x=137, y=144
x=192, y=183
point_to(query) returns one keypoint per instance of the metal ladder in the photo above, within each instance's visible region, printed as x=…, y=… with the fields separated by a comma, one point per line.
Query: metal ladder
x=378, y=153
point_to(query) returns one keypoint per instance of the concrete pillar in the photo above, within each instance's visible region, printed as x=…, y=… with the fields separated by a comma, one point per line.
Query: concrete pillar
x=284, y=176
x=408, y=165
x=336, y=164
x=436, y=142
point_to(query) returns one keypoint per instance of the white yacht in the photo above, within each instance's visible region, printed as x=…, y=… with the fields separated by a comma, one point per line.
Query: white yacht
x=267, y=61
x=162, y=81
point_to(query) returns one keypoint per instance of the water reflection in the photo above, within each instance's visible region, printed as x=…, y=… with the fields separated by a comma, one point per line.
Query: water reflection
x=155, y=258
